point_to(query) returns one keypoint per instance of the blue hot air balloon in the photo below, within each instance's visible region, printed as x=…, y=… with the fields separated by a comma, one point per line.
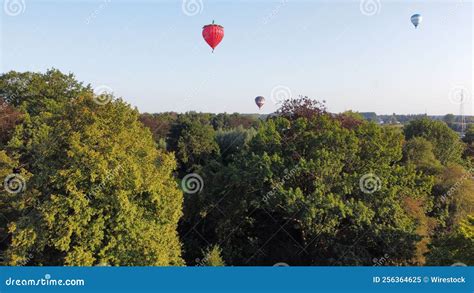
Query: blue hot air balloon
x=416, y=19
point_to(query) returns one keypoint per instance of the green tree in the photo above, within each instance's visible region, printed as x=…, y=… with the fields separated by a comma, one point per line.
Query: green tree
x=294, y=195
x=212, y=257
x=455, y=247
x=453, y=197
x=192, y=139
x=224, y=121
x=419, y=151
x=447, y=146
x=14, y=179
x=450, y=119
x=233, y=141
x=469, y=135
x=36, y=92
x=97, y=189
x=371, y=116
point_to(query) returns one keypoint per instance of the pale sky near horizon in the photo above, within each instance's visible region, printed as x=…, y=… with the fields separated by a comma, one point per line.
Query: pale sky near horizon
x=351, y=54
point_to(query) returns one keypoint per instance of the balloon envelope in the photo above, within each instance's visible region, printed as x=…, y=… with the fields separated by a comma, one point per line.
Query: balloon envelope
x=416, y=19
x=260, y=101
x=213, y=34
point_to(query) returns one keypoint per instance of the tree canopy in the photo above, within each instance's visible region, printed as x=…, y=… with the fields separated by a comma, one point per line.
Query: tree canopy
x=294, y=194
x=98, y=190
x=447, y=145
x=87, y=182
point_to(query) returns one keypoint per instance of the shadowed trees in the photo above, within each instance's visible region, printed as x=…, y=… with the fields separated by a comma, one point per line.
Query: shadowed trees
x=294, y=194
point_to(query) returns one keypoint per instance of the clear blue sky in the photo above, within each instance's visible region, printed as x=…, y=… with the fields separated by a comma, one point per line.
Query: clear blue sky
x=152, y=54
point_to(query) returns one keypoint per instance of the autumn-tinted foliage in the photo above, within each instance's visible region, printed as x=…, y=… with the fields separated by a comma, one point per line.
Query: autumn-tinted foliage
x=9, y=118
x=159, y=124
x=303, y=107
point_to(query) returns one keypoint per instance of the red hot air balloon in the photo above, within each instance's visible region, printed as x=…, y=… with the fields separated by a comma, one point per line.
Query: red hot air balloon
x=213, y=34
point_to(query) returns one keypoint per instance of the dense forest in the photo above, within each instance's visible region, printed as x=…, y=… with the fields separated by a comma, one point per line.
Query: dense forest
x=87, y=180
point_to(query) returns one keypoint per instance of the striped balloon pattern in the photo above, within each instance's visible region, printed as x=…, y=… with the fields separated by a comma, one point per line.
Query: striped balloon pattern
x=416, y=19
x=213, y=34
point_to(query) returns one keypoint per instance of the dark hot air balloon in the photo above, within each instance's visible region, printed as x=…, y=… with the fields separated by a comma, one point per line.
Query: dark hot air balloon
x=213, y=34
x=260, y=101
x=416, y=19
